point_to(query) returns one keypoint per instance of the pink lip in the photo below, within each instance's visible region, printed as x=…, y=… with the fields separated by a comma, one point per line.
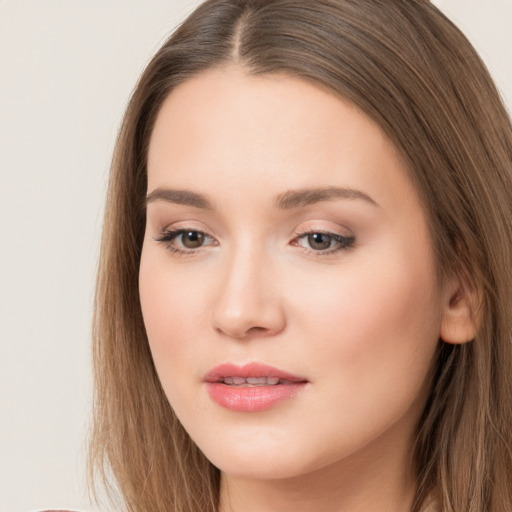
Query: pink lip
x=251, y=399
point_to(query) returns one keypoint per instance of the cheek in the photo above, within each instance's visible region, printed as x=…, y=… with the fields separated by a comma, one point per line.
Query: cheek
x=173, y=315
x=374, y=322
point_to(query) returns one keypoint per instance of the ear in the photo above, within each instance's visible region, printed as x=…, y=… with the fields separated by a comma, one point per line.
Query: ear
x=461, y=307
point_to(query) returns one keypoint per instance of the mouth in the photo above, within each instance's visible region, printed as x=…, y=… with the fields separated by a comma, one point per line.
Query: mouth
x=251, y=374
x=252, y=382
x=252, y=387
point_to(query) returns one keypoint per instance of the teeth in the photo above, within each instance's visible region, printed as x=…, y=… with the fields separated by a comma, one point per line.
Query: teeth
x=257, y=381
x=252, y=381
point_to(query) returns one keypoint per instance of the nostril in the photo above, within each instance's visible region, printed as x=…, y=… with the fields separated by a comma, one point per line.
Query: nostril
x=242, y=333
x=256, y=329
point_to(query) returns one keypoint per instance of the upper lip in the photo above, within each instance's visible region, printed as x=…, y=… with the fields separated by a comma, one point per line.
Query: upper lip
x=245, y=371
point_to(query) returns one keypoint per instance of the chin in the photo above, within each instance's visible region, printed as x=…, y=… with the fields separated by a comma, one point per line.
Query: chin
x=268, y=462
x=261, y=470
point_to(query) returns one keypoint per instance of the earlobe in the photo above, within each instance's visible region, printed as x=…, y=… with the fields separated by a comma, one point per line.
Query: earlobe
x=460, y=315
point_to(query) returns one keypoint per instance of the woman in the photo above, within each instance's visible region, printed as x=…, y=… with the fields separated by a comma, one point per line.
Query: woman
x=305, y=293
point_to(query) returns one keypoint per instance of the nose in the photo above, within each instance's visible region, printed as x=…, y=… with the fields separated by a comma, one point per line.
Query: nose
x=248, y=303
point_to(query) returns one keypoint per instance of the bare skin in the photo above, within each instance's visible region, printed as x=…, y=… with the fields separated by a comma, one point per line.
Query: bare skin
x=336, y=285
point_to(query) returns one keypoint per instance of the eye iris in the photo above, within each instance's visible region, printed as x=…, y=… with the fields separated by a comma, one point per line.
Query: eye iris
x=319, y=241
x=192, y=239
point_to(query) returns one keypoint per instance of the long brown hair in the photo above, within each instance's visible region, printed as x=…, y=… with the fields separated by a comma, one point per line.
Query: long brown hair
x=413, y=72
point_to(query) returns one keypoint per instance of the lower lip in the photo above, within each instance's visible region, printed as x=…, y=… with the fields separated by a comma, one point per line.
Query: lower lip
x=252, y=399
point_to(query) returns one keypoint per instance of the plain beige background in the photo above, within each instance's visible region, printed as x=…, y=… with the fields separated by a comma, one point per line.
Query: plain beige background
x=66, y=71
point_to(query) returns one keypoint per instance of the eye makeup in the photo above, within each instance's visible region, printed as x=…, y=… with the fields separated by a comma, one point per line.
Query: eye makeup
x=188, y=241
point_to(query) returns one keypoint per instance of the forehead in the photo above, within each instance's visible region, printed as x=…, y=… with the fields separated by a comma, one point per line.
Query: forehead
x=268, y=133
x=230, y=103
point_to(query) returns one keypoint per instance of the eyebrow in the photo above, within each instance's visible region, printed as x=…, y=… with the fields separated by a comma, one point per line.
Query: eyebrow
x=285, y=201
x=183, y=197
x=304, y=197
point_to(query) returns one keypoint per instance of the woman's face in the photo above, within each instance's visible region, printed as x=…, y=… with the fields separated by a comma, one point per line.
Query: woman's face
x=287, y=280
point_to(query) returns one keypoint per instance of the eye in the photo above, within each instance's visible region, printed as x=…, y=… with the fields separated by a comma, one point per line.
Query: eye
x=191, y=239
x=185, y=241
x=324, y=243
x=319, y=241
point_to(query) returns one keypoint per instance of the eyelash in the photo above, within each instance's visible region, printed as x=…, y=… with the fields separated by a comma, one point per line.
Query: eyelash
x=169, y=236
x=343, y=243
